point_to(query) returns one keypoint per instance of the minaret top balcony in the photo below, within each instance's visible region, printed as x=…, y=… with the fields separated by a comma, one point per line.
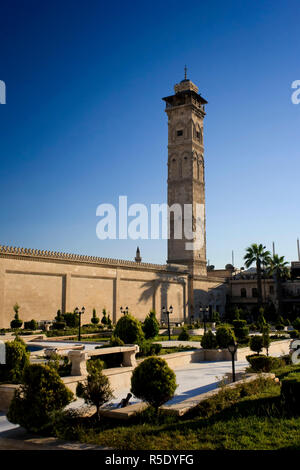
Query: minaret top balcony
x=186, y=93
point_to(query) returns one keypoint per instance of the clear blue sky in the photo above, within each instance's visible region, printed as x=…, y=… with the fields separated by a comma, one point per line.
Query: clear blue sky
x=84, y=121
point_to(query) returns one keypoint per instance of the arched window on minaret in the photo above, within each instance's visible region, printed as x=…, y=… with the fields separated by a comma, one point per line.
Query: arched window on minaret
x=173, y=169
x=180, y=168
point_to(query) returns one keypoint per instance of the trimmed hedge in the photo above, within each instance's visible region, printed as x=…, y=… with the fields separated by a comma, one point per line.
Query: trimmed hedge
x=129, y=329
x=224, y=336
x=209, y=340
x=262, y=363
x=184, y=336
x=153, y=381
x=290, y=391
x=147, y=348
x=17, y=359
x=30, y=325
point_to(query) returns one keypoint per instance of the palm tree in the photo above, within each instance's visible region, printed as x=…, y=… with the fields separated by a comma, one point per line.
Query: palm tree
x=257, y=254
x=277, y=267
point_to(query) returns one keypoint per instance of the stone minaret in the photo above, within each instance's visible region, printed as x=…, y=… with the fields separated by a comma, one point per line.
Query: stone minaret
x=185, y=110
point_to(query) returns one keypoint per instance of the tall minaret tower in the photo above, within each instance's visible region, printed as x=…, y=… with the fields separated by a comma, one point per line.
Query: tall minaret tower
x=186, y=186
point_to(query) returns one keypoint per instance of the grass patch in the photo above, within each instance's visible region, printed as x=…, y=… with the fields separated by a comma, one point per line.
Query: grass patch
x=249, y=418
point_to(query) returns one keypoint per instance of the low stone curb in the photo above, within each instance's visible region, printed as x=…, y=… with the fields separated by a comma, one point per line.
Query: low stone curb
x=20, y=439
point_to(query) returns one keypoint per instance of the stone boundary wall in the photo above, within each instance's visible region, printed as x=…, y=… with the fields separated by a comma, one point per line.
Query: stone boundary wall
x=43, y=282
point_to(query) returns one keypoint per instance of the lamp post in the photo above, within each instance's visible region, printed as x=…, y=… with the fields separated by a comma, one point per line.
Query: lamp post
x=168, y=312
x=124, y=311
x=79, y=312
x=203, y=312
x=232, y=348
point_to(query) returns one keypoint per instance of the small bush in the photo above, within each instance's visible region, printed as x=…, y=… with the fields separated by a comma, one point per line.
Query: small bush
x=153, y=381
x=129, y=330
x=71, y=319
x=241, y=331
x=147, y=348
x=39, y=397
x=184, y=336
x=209, y=340
x=224, y=336
x=290, y=392
x=261, y=363
x=294, y=334
x=58, y=325
x=95, y=320
x=104, y=317
x=95, y=390
x=115, y=341
x=256, y=343
x=16, y=322
x=94, y=364
x=30, y=325
x=296, y=323
x=17, y=358
x=151, y=325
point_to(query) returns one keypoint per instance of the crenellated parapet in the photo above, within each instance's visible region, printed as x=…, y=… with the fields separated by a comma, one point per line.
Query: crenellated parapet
x=30, y=253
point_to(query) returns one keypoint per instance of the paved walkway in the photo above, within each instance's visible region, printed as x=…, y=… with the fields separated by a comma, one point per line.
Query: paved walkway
x=193, y=379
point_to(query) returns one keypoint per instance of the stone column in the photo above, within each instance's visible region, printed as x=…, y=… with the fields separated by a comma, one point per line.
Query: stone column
x=67, y=292
x=184, y=300
x=129, y=359
x=78, y=360
x=116, y=300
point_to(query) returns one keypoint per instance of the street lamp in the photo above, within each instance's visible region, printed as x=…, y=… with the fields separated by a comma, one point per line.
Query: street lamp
x=168, y=312
x=232, y=348
x=79, y=312
x=203, y=313
x=125, y=311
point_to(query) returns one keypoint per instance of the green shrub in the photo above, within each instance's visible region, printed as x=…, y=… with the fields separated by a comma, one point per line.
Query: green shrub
x=151, y=325
x=296, y=324
x=115, y=341
x=95, y=390
x=153, y=381
x=290, y=392
x=261, y=363
x=61, y=364
x=147, y=348
x=279, y=326
x=39, y=397
x=184, y=336
x=294, y=334
x=109, y=322
x=241, y=331
x=266, y=340
x=95, y=320
x=261, y=321
x=71, y=319
x=256, y=343
x=17, y=358
x=209, y=340
x=104, y=317
x=16, y=322
x=224, y=336
x=94, y=364
x=58, y=325
x=31, y=325
x=129, y=330
x=215, y=317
